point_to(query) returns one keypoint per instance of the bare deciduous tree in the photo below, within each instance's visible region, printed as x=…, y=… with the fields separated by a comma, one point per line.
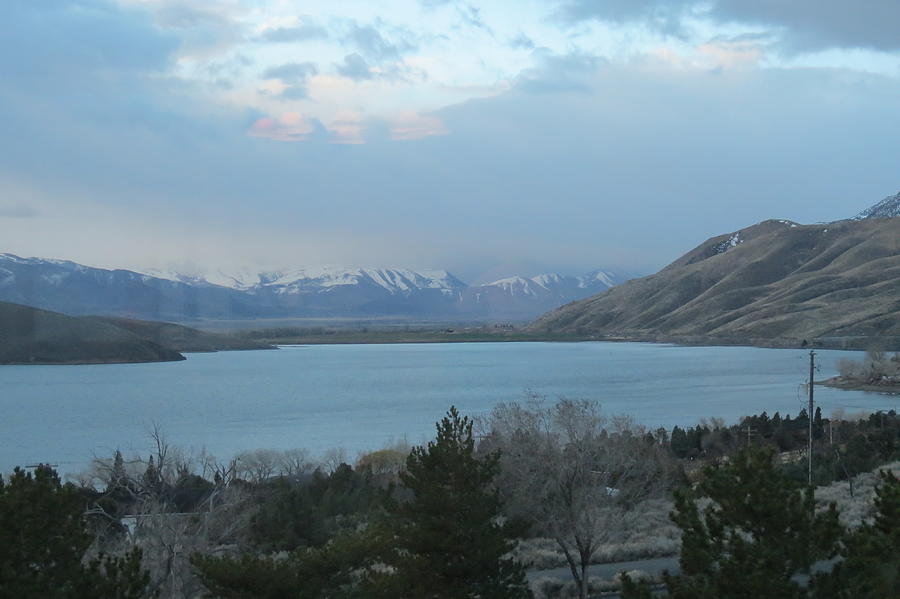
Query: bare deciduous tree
x=296, y=462
x=167, y=538
x=258, y=465
x=574, y=473
x=333, y=458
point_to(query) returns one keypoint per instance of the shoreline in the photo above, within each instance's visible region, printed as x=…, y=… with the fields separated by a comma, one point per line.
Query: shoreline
x=838, y=382
x=97, y=362
x=450, y=335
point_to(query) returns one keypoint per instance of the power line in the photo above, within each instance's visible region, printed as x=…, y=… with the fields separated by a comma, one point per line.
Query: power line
x=809, y=414
x=750, y=432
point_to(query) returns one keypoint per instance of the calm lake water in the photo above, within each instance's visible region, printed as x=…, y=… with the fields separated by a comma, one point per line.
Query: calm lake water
x=360, y=397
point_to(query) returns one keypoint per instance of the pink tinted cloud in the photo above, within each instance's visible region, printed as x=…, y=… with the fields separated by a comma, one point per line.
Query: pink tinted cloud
x=291, y=126
x=732, y=54
x=412, y=125
x=348, y=127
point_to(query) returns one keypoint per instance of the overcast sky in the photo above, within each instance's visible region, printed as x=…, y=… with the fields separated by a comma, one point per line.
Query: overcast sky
x=488, y=138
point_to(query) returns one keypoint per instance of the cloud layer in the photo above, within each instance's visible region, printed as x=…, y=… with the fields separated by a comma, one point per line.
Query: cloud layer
x=542, y=136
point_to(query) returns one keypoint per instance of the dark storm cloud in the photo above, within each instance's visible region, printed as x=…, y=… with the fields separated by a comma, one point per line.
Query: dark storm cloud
x=803, y=24
x=819, y=24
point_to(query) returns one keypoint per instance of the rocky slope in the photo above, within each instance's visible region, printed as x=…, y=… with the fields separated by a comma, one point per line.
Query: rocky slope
x=775, y=282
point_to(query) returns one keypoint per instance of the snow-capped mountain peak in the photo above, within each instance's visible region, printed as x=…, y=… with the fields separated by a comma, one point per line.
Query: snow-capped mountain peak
x=517, y=286
x=548, y=280
x=600, y=277
x=558, y=286
x=329, y=291
x=321, y=278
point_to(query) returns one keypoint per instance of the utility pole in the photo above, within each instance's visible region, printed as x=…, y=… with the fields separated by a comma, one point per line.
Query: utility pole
x=812, y=370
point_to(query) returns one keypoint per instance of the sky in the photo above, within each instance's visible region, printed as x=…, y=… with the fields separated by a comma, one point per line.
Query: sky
x=488, y=138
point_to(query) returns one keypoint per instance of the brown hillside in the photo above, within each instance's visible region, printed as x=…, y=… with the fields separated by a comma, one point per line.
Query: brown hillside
x=32, y=336
x=773, y=281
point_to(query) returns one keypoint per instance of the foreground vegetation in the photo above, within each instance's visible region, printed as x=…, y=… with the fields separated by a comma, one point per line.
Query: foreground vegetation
x=544, y=485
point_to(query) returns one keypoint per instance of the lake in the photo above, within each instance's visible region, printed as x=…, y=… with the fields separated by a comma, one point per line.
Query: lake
x=360, y=397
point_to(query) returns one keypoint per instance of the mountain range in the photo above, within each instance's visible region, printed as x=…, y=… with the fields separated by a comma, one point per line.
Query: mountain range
x=333, y=292
x=776, y=282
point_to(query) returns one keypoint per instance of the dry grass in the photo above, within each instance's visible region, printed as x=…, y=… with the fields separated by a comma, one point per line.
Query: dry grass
x=859, y=507
x=555, y=588
x=649, y=534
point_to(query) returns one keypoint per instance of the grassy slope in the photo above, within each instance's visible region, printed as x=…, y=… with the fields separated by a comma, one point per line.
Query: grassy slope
x=32, y=336
x=836, y=280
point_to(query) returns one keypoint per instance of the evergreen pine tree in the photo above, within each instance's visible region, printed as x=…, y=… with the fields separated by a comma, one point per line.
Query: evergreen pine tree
x=43, y=539
x=752, y=532
x=42, y=536
x=451, y=536
x=871, y=565
x=151, y=481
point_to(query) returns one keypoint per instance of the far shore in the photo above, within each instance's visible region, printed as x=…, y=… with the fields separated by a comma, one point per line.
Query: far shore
x=503, y=334
x=851, y=384
x=450, y=334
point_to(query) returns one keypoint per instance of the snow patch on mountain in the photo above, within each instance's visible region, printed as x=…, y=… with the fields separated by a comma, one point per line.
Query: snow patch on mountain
x=723, y=246
x=889, y=207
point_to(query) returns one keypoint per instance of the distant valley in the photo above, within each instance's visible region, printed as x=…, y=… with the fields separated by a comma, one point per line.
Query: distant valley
x=775, y=283
x=77, y=289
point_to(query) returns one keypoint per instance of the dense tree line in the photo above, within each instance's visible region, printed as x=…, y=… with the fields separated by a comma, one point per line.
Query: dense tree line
x=842, y=448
